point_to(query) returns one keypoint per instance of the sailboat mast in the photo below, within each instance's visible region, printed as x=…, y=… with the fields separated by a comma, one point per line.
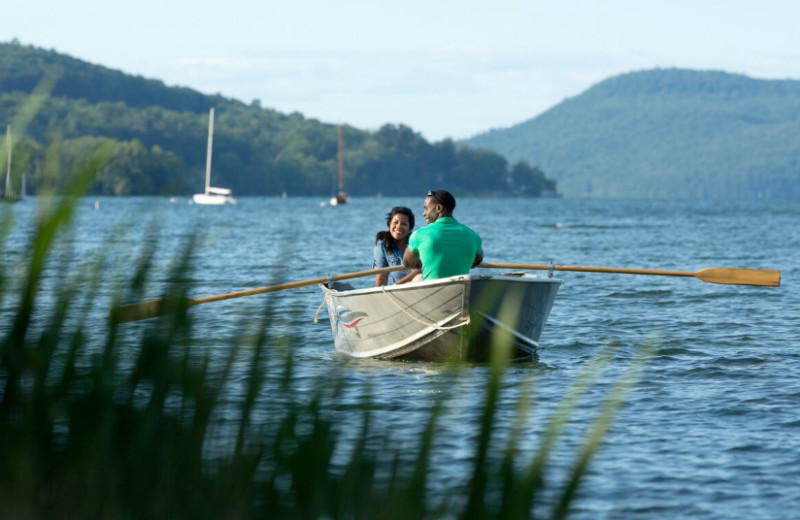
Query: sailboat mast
x=339, y=139
x=8, y=167
x=210, y=141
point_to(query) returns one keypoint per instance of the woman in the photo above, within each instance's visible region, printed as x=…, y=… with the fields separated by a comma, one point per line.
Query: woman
x=390, y=246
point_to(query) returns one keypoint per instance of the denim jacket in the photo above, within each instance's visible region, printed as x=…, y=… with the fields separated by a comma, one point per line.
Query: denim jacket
x=383, y=258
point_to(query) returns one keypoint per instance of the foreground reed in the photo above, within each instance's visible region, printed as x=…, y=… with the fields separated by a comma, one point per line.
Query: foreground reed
x=150, y=428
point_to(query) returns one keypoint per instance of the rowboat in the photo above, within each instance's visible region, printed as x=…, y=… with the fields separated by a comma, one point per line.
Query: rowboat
x=460, y=318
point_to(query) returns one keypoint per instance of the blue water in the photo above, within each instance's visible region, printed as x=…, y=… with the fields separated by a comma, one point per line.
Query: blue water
x=712, y=429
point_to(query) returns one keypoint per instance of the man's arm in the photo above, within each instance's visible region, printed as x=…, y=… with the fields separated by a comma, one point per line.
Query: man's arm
x=478, y=259
x=411, y=260
x=409, y=277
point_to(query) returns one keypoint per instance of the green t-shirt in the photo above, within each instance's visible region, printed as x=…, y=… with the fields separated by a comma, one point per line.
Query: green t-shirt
x=445, y=248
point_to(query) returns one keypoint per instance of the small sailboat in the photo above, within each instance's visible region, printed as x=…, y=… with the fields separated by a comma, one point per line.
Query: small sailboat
x=212, y=196
x=10, y=194
x=341, y=197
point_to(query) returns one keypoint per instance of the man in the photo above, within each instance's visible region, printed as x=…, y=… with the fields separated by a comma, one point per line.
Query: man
x=444, y=247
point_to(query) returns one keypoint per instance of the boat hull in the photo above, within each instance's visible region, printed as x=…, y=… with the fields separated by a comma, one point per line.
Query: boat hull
x=461, y=318
x=212, y=199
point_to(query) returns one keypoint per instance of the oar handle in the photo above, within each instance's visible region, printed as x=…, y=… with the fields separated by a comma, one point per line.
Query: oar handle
x=722, y=275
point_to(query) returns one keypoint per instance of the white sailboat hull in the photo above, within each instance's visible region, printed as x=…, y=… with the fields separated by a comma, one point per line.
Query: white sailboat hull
x=212, y=199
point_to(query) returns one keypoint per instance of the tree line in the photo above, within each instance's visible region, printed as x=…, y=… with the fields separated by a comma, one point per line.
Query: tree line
x=157, y=145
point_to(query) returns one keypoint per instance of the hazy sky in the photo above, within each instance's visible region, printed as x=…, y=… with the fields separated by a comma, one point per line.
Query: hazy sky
x=446, y=68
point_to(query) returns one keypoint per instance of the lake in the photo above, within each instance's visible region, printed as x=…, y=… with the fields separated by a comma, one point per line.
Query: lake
x=712, y=429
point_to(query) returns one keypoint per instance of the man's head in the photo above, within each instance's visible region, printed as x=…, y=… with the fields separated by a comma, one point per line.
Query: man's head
x=438, y=203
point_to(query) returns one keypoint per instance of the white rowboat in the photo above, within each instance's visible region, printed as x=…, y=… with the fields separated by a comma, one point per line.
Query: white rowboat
x=455, y=318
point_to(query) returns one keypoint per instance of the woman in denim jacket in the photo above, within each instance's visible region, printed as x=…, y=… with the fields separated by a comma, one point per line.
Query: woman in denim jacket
x=390, y=246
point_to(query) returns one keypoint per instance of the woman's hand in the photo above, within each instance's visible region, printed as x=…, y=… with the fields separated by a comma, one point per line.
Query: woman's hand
x=409, y=277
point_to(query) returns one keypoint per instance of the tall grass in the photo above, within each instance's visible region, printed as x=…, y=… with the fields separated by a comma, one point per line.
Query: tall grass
x=150, y=428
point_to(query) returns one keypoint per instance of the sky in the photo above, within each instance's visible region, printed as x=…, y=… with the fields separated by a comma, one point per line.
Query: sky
x=447, y=69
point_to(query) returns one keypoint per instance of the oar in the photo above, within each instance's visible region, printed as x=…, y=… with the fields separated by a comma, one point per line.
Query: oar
x=151, y=309
x=725, y=275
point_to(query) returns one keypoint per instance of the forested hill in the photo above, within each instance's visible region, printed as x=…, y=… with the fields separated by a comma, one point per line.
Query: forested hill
x=22, y=69
x=157, y=140
x=667, y=134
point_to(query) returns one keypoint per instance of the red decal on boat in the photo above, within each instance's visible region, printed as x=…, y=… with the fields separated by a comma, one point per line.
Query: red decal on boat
x=351, y=325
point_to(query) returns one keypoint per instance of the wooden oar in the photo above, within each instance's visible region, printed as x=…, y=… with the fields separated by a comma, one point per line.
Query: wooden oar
x=724, y=275
x=151, y=309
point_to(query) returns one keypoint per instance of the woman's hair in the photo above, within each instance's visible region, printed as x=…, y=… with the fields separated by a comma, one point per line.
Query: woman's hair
x=386, y=237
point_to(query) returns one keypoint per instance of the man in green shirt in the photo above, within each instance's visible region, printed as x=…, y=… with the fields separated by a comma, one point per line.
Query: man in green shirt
x=444, y=247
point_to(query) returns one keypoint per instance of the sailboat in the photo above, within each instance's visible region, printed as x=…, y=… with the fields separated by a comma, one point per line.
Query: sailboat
x=341, y=197
x=212, y=196
x=10, y=194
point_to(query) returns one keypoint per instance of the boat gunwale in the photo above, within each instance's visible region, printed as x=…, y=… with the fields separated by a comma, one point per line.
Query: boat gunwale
x=524, y=277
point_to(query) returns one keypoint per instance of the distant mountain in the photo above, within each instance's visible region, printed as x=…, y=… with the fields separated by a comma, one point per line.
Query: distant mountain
x=666, y=134
x=154, y=137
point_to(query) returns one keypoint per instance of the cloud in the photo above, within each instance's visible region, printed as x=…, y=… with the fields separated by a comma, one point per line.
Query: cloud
x=446, y=91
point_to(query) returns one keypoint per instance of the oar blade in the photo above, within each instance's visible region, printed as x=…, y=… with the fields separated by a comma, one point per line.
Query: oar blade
x=725, y=275
x=145, y=310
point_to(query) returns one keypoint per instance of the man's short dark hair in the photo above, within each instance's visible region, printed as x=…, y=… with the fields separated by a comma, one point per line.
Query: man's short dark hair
x=444, y=198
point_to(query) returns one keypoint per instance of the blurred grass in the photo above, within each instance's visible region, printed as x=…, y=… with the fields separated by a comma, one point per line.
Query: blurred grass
x=162, y=435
